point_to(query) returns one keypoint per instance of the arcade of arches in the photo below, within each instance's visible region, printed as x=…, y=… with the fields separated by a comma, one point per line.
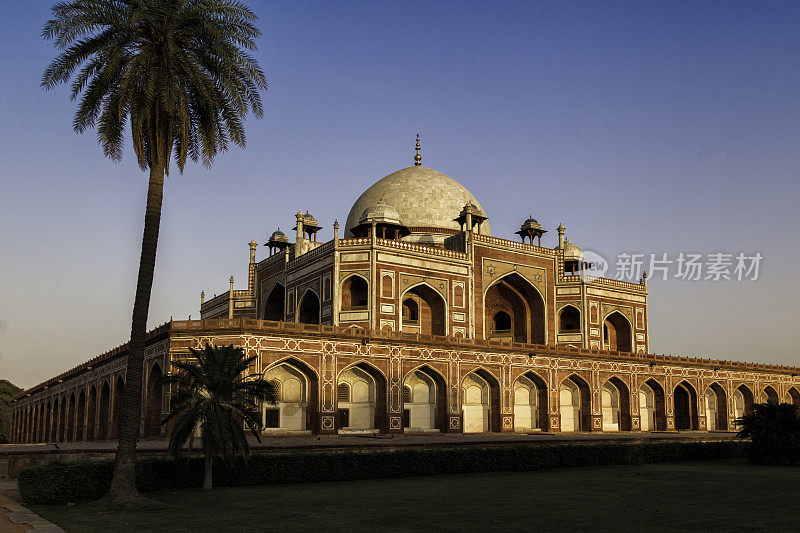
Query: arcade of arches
x=390, y=387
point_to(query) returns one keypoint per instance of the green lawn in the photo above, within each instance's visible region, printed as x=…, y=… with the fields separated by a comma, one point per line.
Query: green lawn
x=712, y=495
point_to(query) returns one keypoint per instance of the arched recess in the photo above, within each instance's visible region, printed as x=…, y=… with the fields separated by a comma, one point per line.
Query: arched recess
x=793, y=396
x=119, y=394
x=81, y=422
x=424, y=400
x=276, y=303
x=48, y=435
x=481, y=402
x=71, y=419
x=742, y=400
x=296, y=408
x=685, y=400
x=617, y=333
x=517, y=297
x=616, y=405
x=769, y=394
x=569, y=319
x=530, y=403
x=152, y=413
x=355, y=293
x=35, y=423
x=652, y=408
x=103, y=412
x=40, y=437
x=716, y=404
x=366, y=409
x=91, y=414
x=308, y=312
x=575, y=404
x=62, y=420
x=431, y=310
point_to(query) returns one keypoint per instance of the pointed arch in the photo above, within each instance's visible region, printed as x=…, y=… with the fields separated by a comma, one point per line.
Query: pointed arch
x=716, y=404
x=116, y=407
x=652, y=399
x=70, y=433
x=617, y=332
x=275, y=304
x=153, y=402
x=91, y=414
x=297, y=408
x=575, y=404
x=438, y=398
x=520, y=299
x=81, y=425
x=62, y=419
x=569, y=319
x=431, y=306
x=309, y=310
x=367, y=407
x=794, y=396
x=530, y=402
x=480, y=401
x=616, y=405
x=685, y=406
x=743, y=400
x=355, y=293
x=769, y=394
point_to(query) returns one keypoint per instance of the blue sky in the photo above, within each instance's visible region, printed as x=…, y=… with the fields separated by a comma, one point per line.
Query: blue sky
x=643, y=128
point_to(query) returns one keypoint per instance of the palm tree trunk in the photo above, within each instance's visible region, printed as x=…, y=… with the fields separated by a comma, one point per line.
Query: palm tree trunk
x=208, y=478
x=123, y=485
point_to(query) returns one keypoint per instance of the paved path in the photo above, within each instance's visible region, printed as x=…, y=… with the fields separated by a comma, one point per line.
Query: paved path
x=15, y=518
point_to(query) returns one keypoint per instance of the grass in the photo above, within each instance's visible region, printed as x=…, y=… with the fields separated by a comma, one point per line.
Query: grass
x=711, y=495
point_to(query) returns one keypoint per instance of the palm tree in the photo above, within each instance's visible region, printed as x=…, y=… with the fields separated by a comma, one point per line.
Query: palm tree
x=774, y=431
x=180, y=73
x=215, y=394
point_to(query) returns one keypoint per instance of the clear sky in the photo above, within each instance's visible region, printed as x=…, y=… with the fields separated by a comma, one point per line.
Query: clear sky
x=661, y=128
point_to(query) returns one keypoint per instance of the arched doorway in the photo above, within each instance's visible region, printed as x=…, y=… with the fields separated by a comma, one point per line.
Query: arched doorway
x=81, y=426
x=62, y=420
x=515, y=297
x=355, y=294
x=153, y=405
x=615, y=405
x=792, y=397
x=361, y=399
x=652, y=409
x=428, y=307
x=617, y=333
x=119, y=395
x=91, y=415
x=685, y=400
x=716, y=404
x=296, y=387
x=575, y=404
x=423, y=398
x=275, y=304
x=48, y=435
x=742, y=400
x=309, y=311
x=71, y=419
x=103, y=412
x=769, y=395
x=530, y=403
x=481, y=402
x=569, y=320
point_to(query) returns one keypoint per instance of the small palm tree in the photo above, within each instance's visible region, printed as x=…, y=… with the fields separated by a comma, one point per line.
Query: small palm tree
x=215, y=394
x=774, y=431
x=179, y=74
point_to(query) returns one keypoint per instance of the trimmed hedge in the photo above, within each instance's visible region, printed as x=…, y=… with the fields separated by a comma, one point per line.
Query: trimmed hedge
x=60, y=482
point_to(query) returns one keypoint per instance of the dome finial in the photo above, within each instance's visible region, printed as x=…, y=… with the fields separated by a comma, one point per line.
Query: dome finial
x=417, y=158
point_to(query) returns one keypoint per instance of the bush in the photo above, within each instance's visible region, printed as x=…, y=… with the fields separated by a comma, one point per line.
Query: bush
x=59, y=482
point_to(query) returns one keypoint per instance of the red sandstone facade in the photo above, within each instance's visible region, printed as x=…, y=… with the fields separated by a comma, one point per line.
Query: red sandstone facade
x=413, y=325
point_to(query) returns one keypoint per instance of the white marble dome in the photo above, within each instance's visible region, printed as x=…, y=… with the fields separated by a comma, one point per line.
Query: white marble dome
x=422, y=197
